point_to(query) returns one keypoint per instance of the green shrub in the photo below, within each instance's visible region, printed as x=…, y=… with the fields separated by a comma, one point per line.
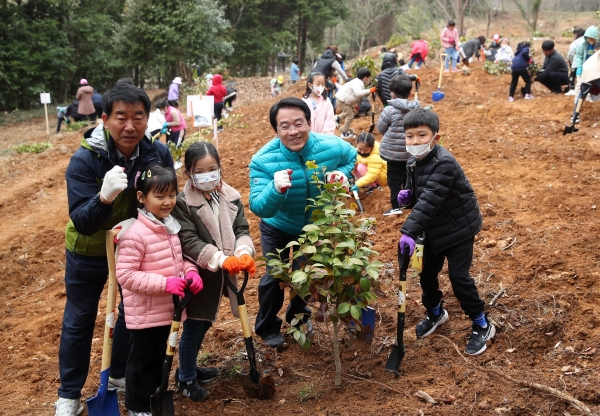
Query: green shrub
x=32, y=148
x=365, y=62
x=496, y=69
x=77, y=125
x=340, y=270
x=396, y=40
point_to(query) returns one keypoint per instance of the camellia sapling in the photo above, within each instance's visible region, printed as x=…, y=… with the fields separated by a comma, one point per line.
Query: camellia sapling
x=337, y=274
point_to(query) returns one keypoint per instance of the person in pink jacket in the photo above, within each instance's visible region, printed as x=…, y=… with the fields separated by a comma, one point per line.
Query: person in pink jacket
x=450, y=41
x=174, y=121
x=322, y=117
x=150, y=270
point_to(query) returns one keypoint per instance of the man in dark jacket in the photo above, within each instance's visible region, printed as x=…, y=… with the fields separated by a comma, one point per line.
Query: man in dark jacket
x=555, y=72
x=389, y=69
x=100, y=189
x=445, y=210
x=327, y=63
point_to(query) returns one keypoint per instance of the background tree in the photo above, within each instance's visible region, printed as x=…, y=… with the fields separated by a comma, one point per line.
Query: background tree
x=530, y=10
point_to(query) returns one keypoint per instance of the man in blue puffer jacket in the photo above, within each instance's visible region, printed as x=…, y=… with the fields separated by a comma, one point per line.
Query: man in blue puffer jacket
x=279, y=188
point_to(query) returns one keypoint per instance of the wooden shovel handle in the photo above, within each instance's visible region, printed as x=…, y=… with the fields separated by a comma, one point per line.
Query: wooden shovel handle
x=111, y=317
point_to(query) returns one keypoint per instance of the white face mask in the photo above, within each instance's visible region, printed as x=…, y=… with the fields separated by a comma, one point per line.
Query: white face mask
x=207, y=181
x=318, y=90
x=420, y=151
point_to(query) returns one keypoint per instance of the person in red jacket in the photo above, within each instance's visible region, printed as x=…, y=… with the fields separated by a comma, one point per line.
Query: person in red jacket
x=219, y=92
x=418, y=53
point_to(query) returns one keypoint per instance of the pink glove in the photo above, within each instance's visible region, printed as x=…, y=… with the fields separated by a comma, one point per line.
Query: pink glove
x=197, y=285
x=176, y=286
x=404, y=196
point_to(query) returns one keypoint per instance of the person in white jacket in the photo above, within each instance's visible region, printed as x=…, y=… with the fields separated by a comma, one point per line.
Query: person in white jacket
x=348, y=96
x=505, y=52
x=578, y=40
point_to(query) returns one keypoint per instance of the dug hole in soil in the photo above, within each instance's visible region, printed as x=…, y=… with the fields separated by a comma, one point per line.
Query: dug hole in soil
x=538, y=192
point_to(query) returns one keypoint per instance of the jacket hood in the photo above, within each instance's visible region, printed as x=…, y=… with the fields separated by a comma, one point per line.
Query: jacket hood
x=390, y=60
x=521, y=48
x=217, y=79
x=328, y=54
x=400, y=103
x=591, y=32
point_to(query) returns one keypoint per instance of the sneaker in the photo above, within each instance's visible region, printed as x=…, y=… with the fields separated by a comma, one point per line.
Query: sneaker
x=477, y=341
x=132, y=413
x=455, y=70
x=118, y=383
x=446, y=71
x=570, y=92
x=68, y=407
x=510, y=99
x=429, y=324
x=393, y=211
x=193, y=391
x=275, y=340
x=203, y=374
x=529, y=96
x=347, y=135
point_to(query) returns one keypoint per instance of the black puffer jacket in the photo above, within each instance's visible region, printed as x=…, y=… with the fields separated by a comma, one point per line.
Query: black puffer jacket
x=324, y=63
x=445, y=206
x=389, y=68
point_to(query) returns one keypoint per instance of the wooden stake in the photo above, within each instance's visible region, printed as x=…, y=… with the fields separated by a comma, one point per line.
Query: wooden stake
x=46, y=112
x=215, y=134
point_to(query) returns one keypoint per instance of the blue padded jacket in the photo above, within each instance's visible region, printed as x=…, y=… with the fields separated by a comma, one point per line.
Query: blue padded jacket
x=286, y=212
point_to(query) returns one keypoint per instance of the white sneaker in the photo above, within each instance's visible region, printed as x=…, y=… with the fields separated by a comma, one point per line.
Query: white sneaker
x=132, y=413
x=68, y=407
x=570, y=92
x=119, y=383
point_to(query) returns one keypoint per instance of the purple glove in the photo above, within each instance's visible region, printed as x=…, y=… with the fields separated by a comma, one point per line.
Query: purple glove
x=197, y=285
x=176, y=286
x=404, y=196
x=404, y=240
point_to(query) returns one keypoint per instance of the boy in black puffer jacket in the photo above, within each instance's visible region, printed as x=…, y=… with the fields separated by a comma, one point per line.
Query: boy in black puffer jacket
x=389, y=69
x=445, y=209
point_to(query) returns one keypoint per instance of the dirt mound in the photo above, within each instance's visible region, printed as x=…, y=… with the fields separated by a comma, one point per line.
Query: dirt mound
x=539, y=246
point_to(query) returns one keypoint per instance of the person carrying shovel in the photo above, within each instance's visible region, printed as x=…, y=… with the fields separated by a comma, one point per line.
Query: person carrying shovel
x=215, y=235
x=151, y=269
x=445, y=209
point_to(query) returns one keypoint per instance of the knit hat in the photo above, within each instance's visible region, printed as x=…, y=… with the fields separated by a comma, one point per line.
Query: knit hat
x=83, y=81
x=177, y=80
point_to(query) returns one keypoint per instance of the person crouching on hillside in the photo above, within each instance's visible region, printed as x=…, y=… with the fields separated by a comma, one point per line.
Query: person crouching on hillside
x=445, y=210
x=349, y=95
x=370, y=171
x=470, y=48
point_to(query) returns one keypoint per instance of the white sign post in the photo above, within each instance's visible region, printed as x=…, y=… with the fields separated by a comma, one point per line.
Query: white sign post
x=45, y=99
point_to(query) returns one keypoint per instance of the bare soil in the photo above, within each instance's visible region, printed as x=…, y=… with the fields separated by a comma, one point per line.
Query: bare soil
x=538, y=191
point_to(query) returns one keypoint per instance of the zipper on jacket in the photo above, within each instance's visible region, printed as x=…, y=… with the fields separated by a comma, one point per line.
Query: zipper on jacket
x=306, y=217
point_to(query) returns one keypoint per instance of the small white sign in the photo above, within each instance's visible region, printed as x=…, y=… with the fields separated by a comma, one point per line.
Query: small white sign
x=45, y=97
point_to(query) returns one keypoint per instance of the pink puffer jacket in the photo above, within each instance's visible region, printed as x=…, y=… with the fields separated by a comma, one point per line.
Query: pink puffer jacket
x=146, y=259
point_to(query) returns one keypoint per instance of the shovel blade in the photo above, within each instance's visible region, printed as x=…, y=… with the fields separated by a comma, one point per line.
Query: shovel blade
x=437, y=96
x=162, y=404
x=105, y=402
x=395, y=358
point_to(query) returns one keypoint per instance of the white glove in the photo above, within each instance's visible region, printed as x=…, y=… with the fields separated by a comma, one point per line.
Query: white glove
x=283, y=180
x=336, y=176
x=115, y=182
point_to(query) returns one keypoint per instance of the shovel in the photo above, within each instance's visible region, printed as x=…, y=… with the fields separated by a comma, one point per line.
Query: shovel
x=372, y=127
x=439, y=95
x=105, y=402
x=585, y=89
x=397, y=354
x=161, y=402
x=255, y=387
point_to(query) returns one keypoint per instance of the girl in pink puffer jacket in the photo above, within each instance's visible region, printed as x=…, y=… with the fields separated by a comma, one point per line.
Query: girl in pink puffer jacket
x=150, y=271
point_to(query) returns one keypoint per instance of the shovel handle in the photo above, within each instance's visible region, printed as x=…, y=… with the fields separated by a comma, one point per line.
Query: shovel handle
x=442, y=55
x=111, y=317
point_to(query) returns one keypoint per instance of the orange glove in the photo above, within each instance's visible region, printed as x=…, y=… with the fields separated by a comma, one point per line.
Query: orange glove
x=247, y=263
x=232, y=265
x=333, y=79
x=373, y=89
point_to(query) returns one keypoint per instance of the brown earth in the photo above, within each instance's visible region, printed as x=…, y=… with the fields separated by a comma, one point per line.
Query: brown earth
x=538, y=192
